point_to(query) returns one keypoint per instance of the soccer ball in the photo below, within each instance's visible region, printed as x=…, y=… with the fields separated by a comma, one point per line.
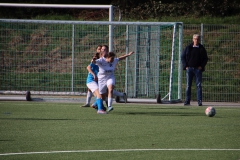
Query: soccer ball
x=210, y=111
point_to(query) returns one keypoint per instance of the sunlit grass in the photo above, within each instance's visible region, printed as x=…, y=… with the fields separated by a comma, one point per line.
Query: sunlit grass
x=44, y=127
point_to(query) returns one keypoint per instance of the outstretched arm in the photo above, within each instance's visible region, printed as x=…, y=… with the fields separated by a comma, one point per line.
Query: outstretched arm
x=125, y=56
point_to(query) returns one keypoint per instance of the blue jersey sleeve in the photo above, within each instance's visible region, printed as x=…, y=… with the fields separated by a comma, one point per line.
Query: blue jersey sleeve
x=95, y=70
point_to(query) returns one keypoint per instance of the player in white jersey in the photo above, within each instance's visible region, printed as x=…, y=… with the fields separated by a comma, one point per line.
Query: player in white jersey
x=106, y=78
x=104, y=51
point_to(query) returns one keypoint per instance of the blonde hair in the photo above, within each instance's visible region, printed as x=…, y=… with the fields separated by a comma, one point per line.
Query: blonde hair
x=196, y=35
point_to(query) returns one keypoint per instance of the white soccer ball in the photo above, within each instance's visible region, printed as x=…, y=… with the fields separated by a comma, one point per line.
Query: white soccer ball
x=210, y=111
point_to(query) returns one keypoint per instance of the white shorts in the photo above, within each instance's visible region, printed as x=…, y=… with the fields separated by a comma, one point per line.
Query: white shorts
x=105, y=81
x=93, y=86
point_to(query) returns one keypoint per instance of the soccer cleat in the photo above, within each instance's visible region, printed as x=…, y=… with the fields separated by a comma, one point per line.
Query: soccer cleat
x=199, y=103
x=186, y=103
x=94, y=105
x=86, y=105
x=110, y=109
x=101, y=112
x=125, y=97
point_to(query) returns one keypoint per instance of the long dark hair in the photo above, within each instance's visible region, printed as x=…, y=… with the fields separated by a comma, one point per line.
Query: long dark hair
x=97, y=55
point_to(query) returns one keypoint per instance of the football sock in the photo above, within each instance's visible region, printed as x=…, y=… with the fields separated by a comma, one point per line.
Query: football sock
x=110, y=100
x=89, y=96
x=95, y=102
x=99, y=104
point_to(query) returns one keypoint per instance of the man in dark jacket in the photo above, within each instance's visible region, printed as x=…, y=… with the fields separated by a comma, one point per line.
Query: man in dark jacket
x=194, y=59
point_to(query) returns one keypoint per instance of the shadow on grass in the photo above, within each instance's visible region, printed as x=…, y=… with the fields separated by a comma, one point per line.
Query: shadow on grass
x=38, y=119
x=170, y=108
x=160, y=113
x=6, y=140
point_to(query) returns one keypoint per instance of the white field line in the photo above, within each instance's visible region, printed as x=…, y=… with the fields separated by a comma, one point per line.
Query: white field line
x=118, y=150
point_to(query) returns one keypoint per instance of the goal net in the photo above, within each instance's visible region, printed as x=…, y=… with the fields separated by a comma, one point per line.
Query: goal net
x=50, y=57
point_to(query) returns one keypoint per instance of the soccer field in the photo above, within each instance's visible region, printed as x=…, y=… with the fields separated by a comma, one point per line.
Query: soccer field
x=49, y=130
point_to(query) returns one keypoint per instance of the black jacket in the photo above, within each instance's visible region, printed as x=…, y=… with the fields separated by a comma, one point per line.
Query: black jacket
x=187, y=51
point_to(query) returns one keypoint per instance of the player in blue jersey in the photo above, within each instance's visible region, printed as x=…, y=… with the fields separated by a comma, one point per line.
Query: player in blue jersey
x=106, y=78
x=92, y=84
x=89, y=93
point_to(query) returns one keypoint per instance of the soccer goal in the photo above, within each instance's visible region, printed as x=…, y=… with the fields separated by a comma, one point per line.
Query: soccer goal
x=50, y=57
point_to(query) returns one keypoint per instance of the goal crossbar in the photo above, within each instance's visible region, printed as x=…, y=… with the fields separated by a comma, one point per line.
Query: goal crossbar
x=109, y=7
x=54, y=5
x=90, y=22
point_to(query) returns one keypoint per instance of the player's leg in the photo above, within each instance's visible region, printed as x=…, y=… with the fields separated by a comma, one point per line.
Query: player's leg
x=94, y=105
x=93, y=86
x=110, y=86
x=110, y=95
x=105, y=97
x=116, y=93
x=120, y=94
x=88, y=98
x=99, y=103
x=102, y=84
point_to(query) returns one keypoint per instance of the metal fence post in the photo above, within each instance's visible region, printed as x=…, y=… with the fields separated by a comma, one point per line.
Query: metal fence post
x=202, y=33
x=180, y=70
x=73, y=42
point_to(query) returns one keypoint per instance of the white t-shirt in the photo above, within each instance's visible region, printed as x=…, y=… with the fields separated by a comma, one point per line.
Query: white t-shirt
x=106, y=73
x=106, y=68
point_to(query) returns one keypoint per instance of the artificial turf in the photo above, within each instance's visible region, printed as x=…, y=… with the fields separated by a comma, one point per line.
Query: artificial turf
x=47, y=130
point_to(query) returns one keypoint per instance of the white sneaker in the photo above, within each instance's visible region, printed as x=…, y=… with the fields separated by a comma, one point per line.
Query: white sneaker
x=125, y=97
x=110, y=109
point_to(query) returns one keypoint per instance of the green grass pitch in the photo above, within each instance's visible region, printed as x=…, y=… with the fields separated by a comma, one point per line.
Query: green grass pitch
x=47, y=130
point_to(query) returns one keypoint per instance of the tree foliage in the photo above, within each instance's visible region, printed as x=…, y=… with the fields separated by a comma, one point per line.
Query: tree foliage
x=195, y=8
x=137, y=9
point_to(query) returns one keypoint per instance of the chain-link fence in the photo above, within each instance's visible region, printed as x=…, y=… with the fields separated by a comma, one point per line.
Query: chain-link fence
x=221, y=80
x=39, y=57
x=52, y=56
